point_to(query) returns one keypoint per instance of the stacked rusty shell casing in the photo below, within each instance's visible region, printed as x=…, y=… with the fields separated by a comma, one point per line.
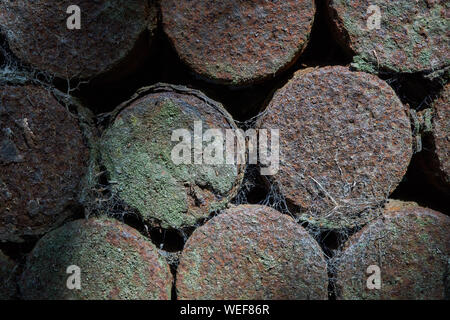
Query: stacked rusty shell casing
x=113, y=37
x=435, y=155
x=137, y=152
x=110, y=259
x=409, y=251
x=252, y=252
x=43, y=158
x=8, y=286
x=397, y=36
x=238, y=42
x=345, y=144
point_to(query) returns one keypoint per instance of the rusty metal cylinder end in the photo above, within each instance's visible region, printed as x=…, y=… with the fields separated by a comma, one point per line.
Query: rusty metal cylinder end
x=238, y=42
x=43, y=158
x=409, y=251
x=345, y=144
x=38, y=34
x=8, y=285
x=137, y=151
x=95, y=259
x=252, y=252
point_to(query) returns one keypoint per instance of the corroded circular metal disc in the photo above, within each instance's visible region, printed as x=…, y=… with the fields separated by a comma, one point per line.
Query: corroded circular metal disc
x=42, y=159
x=115, y=262
x=411, y=247
x=396, y=205
x=137, y=151
x=412, y=36
x=345, y=144
x=252, y=252
x=238, y=42
x=7, y=278
x=37, y=33
x=434, y=158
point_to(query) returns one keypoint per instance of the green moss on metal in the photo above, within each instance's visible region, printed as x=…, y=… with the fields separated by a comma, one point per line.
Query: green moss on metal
x=251, y=252
x=115, y=261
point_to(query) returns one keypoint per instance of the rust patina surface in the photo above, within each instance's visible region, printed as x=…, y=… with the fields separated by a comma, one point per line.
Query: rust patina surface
x=236, y=41
x=413, y=35
x=345, y=144
x=43, y=158
x=252, y=252
x=441, y=132
x=8, y=286
x=411, y=247
x=116, y=262
x=110, y=29
x=435, y=156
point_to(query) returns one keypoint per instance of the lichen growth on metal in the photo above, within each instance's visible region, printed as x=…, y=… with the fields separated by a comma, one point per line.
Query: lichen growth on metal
x=8, y=286
x=251, y=252
x=136, y=151
x=116, y=262
x=250, y=41
x=345, y=144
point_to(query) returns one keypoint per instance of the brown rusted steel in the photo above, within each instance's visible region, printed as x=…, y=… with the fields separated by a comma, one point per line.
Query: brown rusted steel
x=410, y=246
x=238, y=42
x=412, y=36
x=137, y=152
x=110, y=31
x=43, y=157
x=345, y=144
x=435, y=131
x=115, y=261
x=395, y=205
x=252, y=252
x=8, y=286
